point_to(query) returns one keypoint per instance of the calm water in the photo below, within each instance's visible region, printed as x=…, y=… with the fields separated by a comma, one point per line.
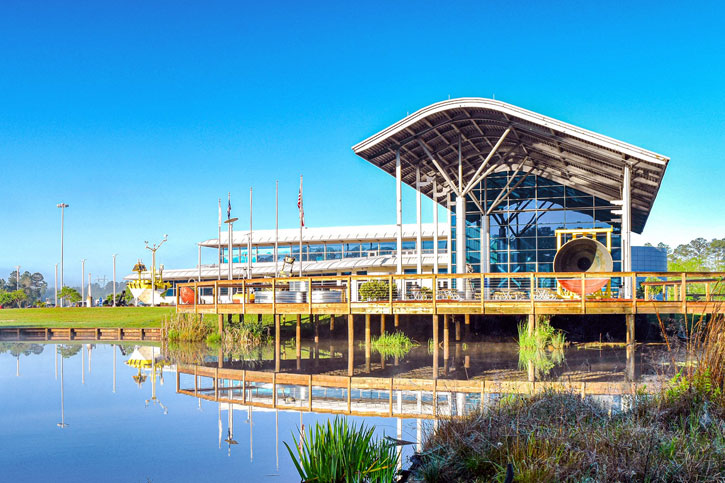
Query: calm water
x=87, y=414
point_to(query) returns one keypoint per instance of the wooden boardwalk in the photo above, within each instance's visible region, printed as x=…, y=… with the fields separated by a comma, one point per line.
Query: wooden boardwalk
x=429, y=294
x=34, y=334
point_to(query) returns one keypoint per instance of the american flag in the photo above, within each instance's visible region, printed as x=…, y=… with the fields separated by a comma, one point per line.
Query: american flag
x=299, y=205
x=229, y=206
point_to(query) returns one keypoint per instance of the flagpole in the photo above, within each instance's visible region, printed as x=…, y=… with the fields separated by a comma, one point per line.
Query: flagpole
x=230, y=255
x=219, y=241
x=249, y=250
x=276, y=225
x=301, y=223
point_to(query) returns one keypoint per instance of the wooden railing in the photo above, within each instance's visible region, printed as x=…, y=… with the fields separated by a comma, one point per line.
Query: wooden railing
x=492, y=293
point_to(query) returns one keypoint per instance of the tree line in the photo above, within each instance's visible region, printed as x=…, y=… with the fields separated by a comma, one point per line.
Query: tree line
x=699, y=255
x=24, y=292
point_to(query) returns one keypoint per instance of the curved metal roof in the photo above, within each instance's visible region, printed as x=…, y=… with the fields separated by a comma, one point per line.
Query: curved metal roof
x=494, y=137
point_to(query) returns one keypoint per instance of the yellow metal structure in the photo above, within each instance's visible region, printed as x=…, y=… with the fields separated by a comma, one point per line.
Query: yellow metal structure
x=565, y=235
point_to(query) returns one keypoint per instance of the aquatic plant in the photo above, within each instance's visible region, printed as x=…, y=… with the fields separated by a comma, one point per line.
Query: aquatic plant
x=393, y=344
x=542, y=337
x=340, y=451
x=187, y=327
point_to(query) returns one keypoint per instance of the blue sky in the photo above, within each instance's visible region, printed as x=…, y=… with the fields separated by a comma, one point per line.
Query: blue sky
x=141, y=114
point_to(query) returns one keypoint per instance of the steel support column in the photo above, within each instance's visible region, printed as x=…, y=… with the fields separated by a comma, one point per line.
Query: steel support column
x=627, y=230
x=399, y=213
x=435, y=226
x=419, y=221
x=460, y=234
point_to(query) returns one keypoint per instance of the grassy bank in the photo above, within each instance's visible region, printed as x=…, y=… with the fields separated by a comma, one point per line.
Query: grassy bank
x=679, y=436
x=85, y=317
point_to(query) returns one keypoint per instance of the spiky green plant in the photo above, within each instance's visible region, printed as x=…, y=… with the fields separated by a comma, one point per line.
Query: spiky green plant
x=393, y=344
x=339, y=451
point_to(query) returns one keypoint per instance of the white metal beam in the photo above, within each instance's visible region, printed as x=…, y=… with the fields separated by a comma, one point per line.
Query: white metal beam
x=472, y=183
x=438, y=166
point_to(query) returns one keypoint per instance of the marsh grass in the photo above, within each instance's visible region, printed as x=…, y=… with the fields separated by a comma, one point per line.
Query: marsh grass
x=340, y=451
x=677, y=434
x=187, y=328
x=543, y=349
x=393, y=344
x=562, y=437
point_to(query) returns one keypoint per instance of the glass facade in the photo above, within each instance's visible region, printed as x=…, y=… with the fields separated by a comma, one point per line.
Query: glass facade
x=328, y=251
x=523, y=224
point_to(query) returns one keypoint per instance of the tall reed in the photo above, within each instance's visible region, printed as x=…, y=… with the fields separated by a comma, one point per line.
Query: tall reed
x=340, y=451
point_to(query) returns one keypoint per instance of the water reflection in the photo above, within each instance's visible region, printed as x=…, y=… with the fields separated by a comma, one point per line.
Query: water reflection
x=262, y=396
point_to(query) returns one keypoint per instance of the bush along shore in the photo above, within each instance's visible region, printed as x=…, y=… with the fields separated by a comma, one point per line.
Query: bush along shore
x=677, y=434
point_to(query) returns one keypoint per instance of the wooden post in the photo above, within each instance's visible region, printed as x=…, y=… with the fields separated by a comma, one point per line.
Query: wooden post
x=629, y=318
x=316, y=323
x=350, y=346
x=708, y=294
x=634, y=293
x=220, y=321
x=367, y=342
x=277, y=336
x=458, y=328
x=583, y=294
x=435, y=346
x=332, y=323
x=216, y=383
x=216, y=297
x=298, y=338
x=446, y=346
x=683, y=293
x=309, y=392
x=382, y=324
x=396, y=320
x=531, y=325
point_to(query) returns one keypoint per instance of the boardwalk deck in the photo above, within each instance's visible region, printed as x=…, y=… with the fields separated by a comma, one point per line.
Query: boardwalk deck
x=484, y=294
x=30, y=334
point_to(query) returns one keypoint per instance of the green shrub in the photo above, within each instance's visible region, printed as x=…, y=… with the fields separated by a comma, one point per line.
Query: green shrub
x=339, y=451
x=376, y=290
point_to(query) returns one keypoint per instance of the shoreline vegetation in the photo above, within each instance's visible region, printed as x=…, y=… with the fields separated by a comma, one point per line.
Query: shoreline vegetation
x=77, y=317
x=677, y=434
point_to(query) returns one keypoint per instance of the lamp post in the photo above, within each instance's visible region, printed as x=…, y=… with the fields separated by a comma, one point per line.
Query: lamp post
x=17, y=277
x=114, y=281
x=83, y=286
x=62, y=207
x=56, y=285
x=153, y=249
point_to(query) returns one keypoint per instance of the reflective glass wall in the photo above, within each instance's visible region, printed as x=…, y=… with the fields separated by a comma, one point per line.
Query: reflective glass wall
x=523, y=225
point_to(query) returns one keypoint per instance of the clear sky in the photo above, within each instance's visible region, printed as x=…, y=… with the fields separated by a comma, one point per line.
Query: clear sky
x=140, y=115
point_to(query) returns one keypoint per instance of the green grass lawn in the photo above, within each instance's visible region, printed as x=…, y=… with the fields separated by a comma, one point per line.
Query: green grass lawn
x=85, y=317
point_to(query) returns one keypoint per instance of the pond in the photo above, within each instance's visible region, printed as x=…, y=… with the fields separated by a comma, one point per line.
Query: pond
x=112, y=412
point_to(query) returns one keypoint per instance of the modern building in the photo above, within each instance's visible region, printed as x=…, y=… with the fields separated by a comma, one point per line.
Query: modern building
x=346, y=250
x=516, y=185
x=513, y=177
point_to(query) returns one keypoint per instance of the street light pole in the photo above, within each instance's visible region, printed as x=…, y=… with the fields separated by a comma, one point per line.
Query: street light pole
x=153, y=249
x=114, y=282
x=83, y=278
x=17, y=277
x=56, y=285
x=62, y=207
